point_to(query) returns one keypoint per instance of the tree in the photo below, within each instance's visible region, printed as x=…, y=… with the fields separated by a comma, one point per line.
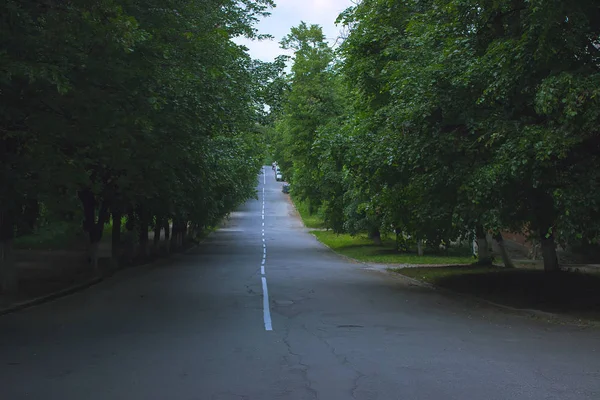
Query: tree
x=122, y=107
x=312, y=101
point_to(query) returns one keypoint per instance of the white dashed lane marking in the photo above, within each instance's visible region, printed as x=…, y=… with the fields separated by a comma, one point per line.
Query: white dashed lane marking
x=266, y=306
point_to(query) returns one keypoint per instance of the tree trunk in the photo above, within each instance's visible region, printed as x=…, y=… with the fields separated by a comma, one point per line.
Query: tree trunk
x=94, y=227
x=157, y=228
x=544, y=219
x=143, y=231
x=420, y=247
x=503, y=253
x=184, y=233
x=93, y=252
x=8, y=269
x=375, y=235
x=116, y=236
x=130, y=226
x=167, y=228
x=30, y=214
x=179, y=235
x=174, y=234
x=483, y=253
x=9, y=280
x=549, y=251
x=534, y=249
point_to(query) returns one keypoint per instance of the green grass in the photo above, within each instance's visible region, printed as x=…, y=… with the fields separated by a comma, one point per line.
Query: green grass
x=311, y=221
x=363, y=249
x=435, y=275
x=573, y=293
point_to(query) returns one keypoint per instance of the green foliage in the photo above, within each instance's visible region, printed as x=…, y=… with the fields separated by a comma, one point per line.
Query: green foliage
x=310, y=220
x=127, y=107
x=439, y=116
x=311, y=101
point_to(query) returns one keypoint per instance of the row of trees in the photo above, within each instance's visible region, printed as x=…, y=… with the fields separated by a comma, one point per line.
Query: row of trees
x=126, y=108
x=447, y=118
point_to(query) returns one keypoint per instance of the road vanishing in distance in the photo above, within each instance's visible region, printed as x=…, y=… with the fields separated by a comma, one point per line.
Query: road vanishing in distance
x=261, y=310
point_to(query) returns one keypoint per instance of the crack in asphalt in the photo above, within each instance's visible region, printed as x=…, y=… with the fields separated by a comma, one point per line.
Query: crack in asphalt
x=356, y=384
x=343, y=360
x=305, y=367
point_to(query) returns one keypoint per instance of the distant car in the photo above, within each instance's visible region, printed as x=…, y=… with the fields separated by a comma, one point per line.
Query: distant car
x=279, y=177
x=285, y=188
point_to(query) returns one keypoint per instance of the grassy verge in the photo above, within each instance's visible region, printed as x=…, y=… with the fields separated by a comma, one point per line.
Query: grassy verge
x=311, y=221
x=363, y=249
x=570, y=293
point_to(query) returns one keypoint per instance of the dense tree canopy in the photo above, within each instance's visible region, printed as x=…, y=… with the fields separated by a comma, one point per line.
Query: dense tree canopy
x=447, y=119
x=144, y=109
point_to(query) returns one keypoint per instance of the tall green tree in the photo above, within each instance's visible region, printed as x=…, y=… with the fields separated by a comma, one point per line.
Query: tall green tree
x=312, y=101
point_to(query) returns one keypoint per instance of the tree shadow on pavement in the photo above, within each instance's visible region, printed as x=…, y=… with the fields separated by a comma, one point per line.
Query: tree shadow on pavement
x=565, y=292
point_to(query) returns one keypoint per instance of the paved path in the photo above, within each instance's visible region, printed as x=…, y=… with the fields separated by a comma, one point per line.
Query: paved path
x=196, y=328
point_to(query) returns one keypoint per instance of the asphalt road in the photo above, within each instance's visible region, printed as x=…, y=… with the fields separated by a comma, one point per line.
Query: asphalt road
x=195, y=327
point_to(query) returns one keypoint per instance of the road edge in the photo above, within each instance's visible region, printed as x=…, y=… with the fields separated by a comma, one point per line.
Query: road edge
x=524, y=312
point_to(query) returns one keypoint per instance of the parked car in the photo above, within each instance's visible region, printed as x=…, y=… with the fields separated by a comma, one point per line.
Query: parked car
x=279, y=177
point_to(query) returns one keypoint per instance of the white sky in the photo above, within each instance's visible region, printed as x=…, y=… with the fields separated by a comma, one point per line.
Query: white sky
x=289, y=13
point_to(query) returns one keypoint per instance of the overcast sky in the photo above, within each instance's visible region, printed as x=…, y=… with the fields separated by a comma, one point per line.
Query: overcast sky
x=289, y=13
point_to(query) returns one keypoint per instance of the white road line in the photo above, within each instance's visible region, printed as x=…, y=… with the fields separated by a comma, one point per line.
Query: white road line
x=266, y=310
x=266, y=307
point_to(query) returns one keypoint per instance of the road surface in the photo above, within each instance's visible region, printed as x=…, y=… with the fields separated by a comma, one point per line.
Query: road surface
x=198, y=327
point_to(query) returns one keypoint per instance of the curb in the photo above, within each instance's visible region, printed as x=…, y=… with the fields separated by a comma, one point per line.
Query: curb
x=532, y=313
x=523, y=312
x=49, y=297
x=81, y=286
x=527, y=312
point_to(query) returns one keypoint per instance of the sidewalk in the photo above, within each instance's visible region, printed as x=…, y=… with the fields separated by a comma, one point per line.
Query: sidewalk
x=47, y=274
